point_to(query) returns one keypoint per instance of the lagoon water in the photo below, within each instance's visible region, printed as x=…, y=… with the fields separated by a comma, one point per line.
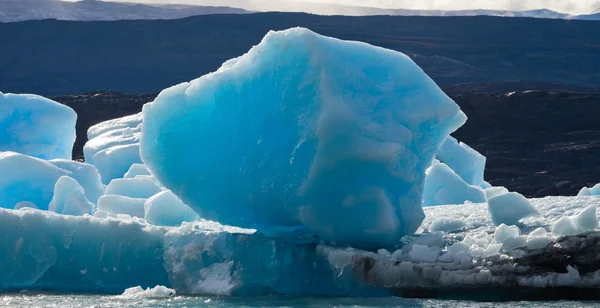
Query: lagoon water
x=88, y=301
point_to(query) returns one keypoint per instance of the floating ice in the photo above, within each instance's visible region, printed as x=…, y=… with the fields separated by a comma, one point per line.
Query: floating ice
x=47, y=251
x=585, y=221
x=504, y=232
x=422, y=253
x=509, y=208
x=156, y=292
x=133, y=188
x=443, y=186
x=446, y=225
x=463, y=160
x=36, y=126
x=26, y=178
x=303, y=131
x=136, y=170
x=594, y=191
x=69, y=198
x=165, y=209
x=492, y=192
x=113, y=146
x=25, y=205
x=114, y=205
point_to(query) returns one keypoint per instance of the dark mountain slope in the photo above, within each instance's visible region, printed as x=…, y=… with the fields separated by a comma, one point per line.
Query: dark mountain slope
x=52, y=57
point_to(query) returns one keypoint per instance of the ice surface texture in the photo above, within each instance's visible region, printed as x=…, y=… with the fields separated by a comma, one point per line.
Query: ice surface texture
x=47, y=251
x=26, y=178
x=593, y=191
x=113, y=146
x=464, y=160
x=69, y=198
x=36, y=126
x=165, y=209
x=44, y=250
x=444, y=187
x=303, y=132
x=510, y=208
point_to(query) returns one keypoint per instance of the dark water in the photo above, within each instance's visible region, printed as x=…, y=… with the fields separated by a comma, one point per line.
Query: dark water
x=45, y=300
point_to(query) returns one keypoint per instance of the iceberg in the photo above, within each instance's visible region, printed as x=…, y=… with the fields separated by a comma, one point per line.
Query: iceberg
x=165, y=209
x=36, y=126
x=69, y=198
x=47, y=251
x=113, y=205
x=304, y=133
x=26, y=178
x=585, y=221
x=136, y=170
x=467, y=163
x=156, y=292
x=444, y=187
x=593, y=191
x=113, y=146
x=509, y=208
x=134, y=188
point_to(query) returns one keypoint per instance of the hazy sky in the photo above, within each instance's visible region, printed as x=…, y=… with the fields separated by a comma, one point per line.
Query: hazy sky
x=566, y=6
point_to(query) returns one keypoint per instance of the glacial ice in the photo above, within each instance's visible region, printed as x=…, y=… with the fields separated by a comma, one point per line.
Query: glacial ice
x=509, y=208
x=281, y=139
x=585, y=221
x=135, y=170
x=443, y=187
x=492, y=192
x=133, y=188
x=26, y=178
x=156, y=292
x=165, y=209
x=504, y=232
x=464, y=161
x=593, y=191
x=69, y=198
x=36, y=126
x=276, y=140
x=116, y=204
x=446, y=225
x=113, y=146
x=87, y=254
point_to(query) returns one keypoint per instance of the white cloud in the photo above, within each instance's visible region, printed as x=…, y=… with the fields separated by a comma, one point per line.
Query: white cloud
x=566, y=6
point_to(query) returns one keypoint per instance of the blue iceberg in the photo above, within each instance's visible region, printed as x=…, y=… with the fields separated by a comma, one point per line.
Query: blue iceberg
x=113, y=146
x=26, y=178
x=36, y=126
x=303, y=133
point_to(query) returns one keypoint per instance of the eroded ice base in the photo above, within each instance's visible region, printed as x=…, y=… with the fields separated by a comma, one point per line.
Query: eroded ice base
x=44, y=250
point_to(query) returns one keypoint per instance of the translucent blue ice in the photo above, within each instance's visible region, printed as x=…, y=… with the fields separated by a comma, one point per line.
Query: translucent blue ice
x=116, y=204
x=443, y=187
x=304, y=132
x=113, y=146
x=133, y=188
x=165, y=209
x=464, y=160
x=69, y=198
x=26, y=178
x=509, y=208
x=135, y=170
x=36, y=126
x=47, y=251
x=592, y=191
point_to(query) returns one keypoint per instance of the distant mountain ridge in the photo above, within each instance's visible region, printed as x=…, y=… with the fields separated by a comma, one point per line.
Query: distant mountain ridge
x=91, y=10
x=95, y=10
x=51, y=57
